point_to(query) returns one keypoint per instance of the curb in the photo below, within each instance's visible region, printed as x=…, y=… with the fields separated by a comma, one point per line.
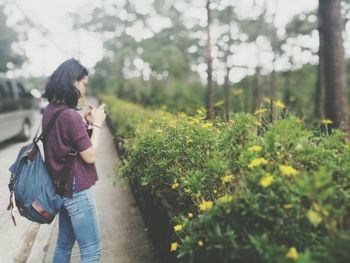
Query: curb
x=41, y=243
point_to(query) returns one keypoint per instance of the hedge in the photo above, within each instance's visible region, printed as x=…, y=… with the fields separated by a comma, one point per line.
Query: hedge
x=241, y=191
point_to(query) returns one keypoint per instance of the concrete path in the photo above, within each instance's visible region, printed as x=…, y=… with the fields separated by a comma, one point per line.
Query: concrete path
x=124, y=236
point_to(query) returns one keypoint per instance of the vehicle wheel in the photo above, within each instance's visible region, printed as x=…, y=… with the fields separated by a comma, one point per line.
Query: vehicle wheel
x=25, y=132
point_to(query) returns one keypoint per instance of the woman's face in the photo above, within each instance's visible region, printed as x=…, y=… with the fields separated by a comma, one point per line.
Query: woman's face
x=82, y=86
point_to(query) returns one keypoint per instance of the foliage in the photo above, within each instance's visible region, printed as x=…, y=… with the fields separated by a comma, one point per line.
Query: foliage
x=127, y=117
x=243, y=191
x=8, y=57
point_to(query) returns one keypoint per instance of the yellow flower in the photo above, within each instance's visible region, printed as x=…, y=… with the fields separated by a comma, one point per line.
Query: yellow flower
x=178, y=228
x=288, y=170
x=326, y=121
x=201, y=110
x=159, y=131
x=190, y=215
x=258, y=123
x=257, y=112
x=189, y=141
x=316, y=214
x=187, y=190
x=255, y=148
x=193, y=121
x=174, y=185
x=320, y=209
x=207, y=125
x=182, y=115
x=279, y=104
x=174, y=246
x=225, y=198
x=205, y=205
x=268, y=100
x=266, y=181
x=227, y=178
x=292, y=253
x=314, y=217
x=287, y=206
x=200, y=243
x=172, y=123
x=257, y=162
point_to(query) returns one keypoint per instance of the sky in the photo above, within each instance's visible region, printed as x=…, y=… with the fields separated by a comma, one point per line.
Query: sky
x=61, y=43
x=45, y=53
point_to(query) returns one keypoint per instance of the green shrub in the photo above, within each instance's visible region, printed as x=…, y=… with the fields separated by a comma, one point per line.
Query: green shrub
x=242, y=191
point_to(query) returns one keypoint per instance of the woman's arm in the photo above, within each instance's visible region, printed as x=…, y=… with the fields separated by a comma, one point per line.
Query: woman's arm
x=98, y=116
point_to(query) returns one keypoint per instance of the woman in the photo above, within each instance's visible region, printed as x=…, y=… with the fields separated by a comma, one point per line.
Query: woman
x=78, y=218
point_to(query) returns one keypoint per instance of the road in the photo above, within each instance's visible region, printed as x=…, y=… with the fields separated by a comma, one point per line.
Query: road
x=12, y=238
x=124, y=236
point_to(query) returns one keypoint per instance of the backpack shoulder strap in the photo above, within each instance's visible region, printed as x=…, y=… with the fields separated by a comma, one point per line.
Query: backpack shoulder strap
x=49, y=125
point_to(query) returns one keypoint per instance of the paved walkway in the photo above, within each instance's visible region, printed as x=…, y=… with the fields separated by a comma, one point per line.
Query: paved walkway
x=124, y=236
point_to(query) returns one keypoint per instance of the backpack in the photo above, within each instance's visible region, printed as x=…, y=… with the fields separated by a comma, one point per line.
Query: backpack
x=35, y=195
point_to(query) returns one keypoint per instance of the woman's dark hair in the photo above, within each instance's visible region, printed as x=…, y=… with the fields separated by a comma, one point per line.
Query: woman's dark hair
x=60, y=86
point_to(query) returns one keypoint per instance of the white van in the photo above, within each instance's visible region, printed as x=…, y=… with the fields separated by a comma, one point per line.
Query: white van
x=16, y=110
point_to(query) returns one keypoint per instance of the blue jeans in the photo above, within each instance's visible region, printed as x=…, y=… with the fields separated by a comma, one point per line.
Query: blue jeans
x=78, y=221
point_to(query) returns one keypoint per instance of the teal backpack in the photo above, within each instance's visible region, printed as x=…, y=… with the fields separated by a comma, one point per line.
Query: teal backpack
x=35, y=195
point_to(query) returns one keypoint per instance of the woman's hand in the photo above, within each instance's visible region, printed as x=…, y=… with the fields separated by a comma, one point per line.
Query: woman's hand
x=98, y=115
x=87, y=115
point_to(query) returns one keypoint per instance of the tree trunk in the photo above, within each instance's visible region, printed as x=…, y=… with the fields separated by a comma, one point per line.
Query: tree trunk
x=227, y=94
x=273, y=79
x=287, y=92
x=334, y=63
x=319, y=111
x=257, y=89
x=210, y=93
x=273, y=74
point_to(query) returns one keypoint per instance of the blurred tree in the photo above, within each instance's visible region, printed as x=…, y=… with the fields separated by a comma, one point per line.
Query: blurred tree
x=155, y=69
x=345, y=9
x=226, y=43
x=112, y=20
x=320, y=85
x=257, y=29
x=305, y=24
x=335, y=79
x=162, y=65
x=276, y=43
x=210, y=92
x=257, y=88
x=169, y=51
x=9, y=58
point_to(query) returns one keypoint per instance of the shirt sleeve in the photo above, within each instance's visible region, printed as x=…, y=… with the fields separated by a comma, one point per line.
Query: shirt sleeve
x=76, y=130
